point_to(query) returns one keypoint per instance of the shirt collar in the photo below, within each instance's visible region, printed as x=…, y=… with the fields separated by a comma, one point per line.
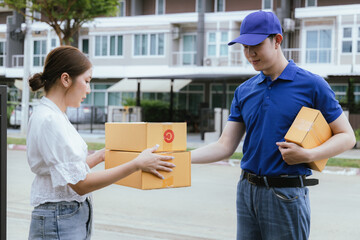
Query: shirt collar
x=287, y=74
x=47, y=102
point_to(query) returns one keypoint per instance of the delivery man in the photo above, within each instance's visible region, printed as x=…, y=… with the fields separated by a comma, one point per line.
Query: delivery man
x=272, y=194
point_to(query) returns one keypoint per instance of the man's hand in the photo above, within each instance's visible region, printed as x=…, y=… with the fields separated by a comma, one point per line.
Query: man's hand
x=293, y=153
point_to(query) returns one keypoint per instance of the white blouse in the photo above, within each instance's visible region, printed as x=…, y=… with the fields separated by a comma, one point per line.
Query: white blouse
x=56, y=154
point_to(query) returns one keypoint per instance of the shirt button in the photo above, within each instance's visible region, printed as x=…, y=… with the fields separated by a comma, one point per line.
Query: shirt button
x=269, y=87
x=267, y=97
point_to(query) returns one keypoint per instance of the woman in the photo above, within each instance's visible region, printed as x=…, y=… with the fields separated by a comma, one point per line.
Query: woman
x=58, y=156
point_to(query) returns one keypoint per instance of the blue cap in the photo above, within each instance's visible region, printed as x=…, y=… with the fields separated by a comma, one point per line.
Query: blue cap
x=256, y=27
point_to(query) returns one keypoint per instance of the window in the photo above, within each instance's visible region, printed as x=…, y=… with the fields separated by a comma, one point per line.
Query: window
x=189, y=49
x=36, y=15
x=190, y=97
x=108, y=45
x=318, y=46
x=358, y=42
x=217, y=44
x=39, y=53
x=219, y=5
x=217, y=95
x=121, y=9
x=267, y=4
x=357, y=92
x=340, y=91
x=160, y=7
x=2, y=53
x=85, y=46
x=149, y=44
x=311, y=3
x=198, y=5
x=54, y=43
x=347, y=40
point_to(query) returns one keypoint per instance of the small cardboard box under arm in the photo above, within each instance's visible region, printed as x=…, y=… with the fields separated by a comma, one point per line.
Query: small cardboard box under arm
x=179, y=177
x=310, y=130
x=138, y=136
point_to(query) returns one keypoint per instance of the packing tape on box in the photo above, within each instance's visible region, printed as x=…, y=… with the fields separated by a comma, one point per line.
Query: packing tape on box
x=169, y=137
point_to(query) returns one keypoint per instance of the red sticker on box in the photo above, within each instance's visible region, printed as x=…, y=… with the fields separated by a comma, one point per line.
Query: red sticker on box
x=169, y=136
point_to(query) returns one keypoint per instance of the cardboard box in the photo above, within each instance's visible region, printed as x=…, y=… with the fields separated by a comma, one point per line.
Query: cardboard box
x=310, y=130
x=179, y=177
x=139, y=136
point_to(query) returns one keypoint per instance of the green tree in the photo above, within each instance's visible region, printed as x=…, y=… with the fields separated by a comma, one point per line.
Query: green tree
x=65, y=16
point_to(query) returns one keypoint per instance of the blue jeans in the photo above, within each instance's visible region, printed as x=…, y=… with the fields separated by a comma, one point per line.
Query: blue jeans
x=272, y=213
x=61, y=220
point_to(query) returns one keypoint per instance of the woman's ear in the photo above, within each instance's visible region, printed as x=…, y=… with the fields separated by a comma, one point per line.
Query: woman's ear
x=65, y=80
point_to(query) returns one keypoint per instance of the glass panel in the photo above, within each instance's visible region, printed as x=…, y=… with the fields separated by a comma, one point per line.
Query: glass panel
x=53, y=42
x=220, y=5
x=43, y=46
x=311, y=3
x=224, y=50
x=120, y=46
x=267, y=4
x=36, y=61
x=2, y=48
x=121, y=8
x=224, y=37
x=196, y=87
x=160, y=9
x=99, y=99
x=194, y=102
x=137, y=45
x=36, y=47
x=346, y=46
x=144, y=44
x=114, y=99
x=88, y=98
x=212, y=37
x=1, y=61
x=217, y=88
x=216, y=100
x=357, y=98
x=325, y=39
x=112, y=45
x=232, y=88
x=104, y=46
x=324, y=56
x=358, y=46
x=101, y=86
x=347, y=33
x=189, y=45
x=211, y=50
x=311, y=39
x=161, y=44
x=357, y=88
x=85, y=46
x=152, y=44
x=181, y=100
x=311, y=56
x=339, y=88
x=97, y=45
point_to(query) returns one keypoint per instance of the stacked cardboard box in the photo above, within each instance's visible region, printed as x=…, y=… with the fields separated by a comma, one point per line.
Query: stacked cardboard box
x=125, y=141
x=310, y=130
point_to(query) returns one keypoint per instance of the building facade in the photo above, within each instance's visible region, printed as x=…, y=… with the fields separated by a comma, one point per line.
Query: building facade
x=187, y=40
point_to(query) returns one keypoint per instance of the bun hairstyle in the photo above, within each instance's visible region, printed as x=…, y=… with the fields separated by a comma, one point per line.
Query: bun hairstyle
x=63, y=59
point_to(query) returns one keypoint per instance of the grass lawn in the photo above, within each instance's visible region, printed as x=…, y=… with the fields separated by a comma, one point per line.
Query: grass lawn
x=339, y=162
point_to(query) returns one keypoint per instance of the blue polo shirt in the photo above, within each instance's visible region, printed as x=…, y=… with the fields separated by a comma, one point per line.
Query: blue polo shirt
x=268, y=108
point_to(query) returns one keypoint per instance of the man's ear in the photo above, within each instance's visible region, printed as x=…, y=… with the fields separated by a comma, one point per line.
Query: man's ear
x=65, y=80
x=278, y=39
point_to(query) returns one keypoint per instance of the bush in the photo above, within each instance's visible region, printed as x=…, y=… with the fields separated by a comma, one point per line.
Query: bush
x=155, y=111
x=357, y=134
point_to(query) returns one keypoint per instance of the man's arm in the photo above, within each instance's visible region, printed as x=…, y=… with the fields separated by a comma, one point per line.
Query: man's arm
x=223, y=148
x=342, y=140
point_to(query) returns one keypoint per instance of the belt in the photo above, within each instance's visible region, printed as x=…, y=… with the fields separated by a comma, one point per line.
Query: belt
x=280, y=182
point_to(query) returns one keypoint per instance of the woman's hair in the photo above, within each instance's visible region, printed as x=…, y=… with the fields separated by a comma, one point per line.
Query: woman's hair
x=63, y=59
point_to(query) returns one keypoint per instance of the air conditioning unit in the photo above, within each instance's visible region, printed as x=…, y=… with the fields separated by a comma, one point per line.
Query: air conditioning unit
x=289, y=25
x=175, y=32
x=207, y=62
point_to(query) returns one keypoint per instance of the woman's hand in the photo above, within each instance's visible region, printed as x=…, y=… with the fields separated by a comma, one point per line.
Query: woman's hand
x=147, y=161
x=96, y=158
